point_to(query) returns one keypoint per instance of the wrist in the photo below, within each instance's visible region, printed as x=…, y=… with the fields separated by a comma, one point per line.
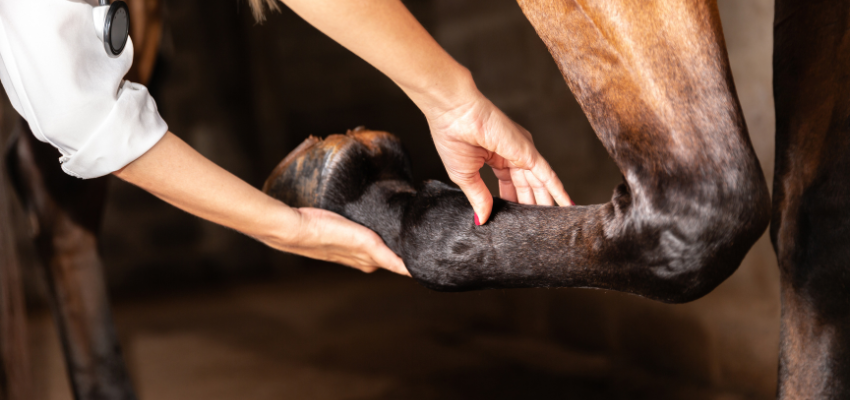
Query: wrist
x=281, y=227
x=439, y=94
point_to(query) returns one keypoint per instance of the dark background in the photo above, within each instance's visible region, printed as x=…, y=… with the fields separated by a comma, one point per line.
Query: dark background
x=205, y=312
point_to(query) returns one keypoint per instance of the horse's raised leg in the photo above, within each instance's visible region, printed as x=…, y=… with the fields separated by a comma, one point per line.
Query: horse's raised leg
x=654, y=80
x=66, y=215
x=811, y=204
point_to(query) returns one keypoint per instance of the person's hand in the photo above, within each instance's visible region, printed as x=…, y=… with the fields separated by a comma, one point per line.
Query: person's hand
x=178, y=174
x=475, y=133
x=328, y=236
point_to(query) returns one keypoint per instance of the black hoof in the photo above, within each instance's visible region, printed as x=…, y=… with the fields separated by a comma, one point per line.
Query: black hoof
x=336, y=171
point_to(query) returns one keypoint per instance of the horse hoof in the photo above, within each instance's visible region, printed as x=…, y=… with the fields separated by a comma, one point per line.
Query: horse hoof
x=330, y=173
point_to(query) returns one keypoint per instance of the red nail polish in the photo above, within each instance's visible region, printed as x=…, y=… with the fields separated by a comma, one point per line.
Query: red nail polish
x=477, y=223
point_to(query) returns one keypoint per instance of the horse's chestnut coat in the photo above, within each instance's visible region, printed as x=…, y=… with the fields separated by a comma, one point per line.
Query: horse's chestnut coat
x=653, y=78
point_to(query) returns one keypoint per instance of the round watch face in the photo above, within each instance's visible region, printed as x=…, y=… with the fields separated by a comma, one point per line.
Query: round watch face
x=117, y=28
x=120, y=23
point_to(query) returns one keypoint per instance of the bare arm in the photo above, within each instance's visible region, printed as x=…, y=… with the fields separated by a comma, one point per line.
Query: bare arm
x=181, y=176
x=384, y=33
x=468, y=130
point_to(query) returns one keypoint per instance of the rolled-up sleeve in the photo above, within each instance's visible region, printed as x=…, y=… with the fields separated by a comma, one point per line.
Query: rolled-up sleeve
x=60, y=79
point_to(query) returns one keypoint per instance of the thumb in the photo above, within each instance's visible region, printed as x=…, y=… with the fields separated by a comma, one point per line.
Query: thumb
x=477, y=194
x=390, y=261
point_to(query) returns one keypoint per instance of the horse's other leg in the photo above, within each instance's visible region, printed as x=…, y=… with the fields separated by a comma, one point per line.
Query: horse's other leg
x=15, y=376
x=146, y=28
x=66, y=214
x=811, y=204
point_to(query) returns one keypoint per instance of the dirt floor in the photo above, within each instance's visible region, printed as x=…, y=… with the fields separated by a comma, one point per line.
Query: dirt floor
x=340, y=334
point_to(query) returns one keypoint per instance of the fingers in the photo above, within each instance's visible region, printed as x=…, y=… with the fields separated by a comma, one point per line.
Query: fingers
x=533, y=179
x=524, y=193
x=484, y=135
x=331, y=237
x=364, y=268
x=507, y=190
x=370, y=253
x=386, y=259
x=477, y=194
x=529, y=189
x=521, y=186
x=548, y=180
x=541, y=195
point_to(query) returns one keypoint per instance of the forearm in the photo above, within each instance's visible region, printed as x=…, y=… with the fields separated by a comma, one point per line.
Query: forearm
x=468, y=130
x=179, y=175
x=385, y=34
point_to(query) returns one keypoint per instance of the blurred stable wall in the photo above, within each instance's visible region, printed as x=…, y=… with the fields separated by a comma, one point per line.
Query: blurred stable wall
x=244, y=95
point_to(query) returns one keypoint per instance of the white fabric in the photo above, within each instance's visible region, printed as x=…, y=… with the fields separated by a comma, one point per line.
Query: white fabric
x=60, y=79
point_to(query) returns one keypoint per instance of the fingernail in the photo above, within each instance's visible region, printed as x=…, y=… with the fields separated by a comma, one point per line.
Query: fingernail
x=477, y=223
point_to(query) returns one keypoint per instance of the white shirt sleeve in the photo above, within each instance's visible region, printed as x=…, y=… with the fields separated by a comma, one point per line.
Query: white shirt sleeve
x=60, y=79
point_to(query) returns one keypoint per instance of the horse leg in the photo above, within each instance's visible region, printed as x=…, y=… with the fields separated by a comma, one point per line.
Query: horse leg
x=811, y=200
x=654, y=80
x=15, y=379
x=66, y=213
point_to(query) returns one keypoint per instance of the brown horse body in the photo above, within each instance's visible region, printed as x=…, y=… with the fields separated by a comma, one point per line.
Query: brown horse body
x=694, y=198
x=654, y=81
